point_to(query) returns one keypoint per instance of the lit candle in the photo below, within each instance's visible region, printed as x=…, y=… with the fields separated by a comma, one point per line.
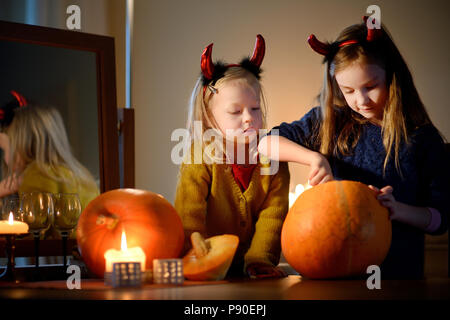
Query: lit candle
x=135, y=254
x=299, y=189
x=12, y=227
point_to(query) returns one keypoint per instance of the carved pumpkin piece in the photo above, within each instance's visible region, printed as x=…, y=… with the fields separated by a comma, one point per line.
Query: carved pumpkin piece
x=209, y=259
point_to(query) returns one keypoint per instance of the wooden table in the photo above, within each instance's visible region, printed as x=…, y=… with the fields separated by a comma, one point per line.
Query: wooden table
x=267, y=299
x=293, y=287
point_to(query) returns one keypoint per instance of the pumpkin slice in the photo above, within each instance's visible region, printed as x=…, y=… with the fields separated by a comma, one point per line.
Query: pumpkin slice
x=209, y=259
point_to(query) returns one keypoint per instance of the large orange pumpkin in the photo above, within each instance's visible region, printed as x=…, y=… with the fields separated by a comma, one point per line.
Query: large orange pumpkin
x=336, y=229
x=148, y=220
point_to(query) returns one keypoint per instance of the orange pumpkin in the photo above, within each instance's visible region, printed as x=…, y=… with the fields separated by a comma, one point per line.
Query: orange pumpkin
x=148, y=220
x=336, y=229
x=209, y=259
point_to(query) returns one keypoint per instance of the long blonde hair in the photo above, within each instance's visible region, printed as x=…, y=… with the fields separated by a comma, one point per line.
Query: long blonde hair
x=403, y=112
x=199, y=105
x=37, y=133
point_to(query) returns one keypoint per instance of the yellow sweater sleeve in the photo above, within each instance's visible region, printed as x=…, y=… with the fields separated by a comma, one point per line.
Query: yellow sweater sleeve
x=191, y=196
x=266, y=242
x=34, y=180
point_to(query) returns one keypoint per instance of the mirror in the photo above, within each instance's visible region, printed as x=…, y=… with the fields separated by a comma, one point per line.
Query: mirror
x=63, y=78
x=74, y=72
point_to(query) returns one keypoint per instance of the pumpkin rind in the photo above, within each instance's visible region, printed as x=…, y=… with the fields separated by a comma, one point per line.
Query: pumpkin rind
x=215, y=264
x=336, y=229
x=148, y=220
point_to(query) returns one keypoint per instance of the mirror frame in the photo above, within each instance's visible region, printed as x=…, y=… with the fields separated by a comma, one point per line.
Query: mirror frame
x=103, y=46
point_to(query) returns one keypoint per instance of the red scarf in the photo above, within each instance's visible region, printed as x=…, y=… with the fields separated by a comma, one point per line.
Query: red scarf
x=243, y=174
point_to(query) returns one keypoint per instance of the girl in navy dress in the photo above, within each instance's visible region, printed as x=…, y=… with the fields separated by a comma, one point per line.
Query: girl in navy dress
x=371, y=126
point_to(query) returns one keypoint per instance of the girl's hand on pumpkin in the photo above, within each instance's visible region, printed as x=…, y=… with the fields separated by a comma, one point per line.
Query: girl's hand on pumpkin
x=260, y=271
x=386, y=198
x=320, y=170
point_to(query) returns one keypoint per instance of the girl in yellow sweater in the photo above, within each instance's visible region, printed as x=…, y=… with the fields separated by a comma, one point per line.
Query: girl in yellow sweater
x=38, y=154
x=222, y=187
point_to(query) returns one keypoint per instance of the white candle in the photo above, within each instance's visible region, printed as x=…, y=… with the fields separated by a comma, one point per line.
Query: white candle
x=299, y=189
x=13, y=227
x=135, y=254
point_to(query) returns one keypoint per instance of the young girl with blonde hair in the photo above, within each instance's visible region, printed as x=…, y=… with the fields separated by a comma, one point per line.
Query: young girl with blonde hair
x=216, y=194
x=371, y=126
x=39, y=157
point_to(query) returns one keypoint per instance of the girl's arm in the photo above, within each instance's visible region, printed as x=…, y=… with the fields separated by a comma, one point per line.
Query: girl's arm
x=419, y=217
x=190, y=199
x=264, y=252
x=290, y=151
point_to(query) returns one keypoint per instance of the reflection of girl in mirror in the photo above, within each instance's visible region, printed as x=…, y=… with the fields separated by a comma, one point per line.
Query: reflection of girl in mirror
x=38, y=154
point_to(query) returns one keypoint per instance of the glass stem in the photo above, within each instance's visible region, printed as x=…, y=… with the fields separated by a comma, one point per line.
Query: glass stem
x=64, y=236
x=36, y=248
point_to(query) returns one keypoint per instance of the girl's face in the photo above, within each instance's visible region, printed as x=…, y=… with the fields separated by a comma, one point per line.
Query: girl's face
x=236, y=110
x=364, y=88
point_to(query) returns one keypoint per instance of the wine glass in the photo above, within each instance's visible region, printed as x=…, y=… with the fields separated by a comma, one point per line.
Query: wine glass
x=67, y=212
x=11, y=204
x=37, y=211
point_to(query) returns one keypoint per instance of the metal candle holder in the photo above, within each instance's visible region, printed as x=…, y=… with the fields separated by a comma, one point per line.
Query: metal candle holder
x=10, y=273
x=168, y=271
x=124, y=274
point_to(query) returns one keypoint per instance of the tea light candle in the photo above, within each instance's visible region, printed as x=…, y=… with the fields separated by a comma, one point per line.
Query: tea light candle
x=13, y=227
x=135, y=254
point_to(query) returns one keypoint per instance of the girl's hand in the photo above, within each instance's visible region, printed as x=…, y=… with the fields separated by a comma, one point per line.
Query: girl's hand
x=320, y=170
x=10, y=185
x=386, y=198
x=260, y=270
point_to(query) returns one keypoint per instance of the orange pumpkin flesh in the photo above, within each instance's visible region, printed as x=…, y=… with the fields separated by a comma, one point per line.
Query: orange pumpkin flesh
x=336, y=229
x=149, y=221
x=215, y=262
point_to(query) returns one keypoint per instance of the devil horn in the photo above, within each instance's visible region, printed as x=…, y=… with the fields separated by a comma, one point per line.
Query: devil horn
x=318, y=46
x=259, y=51
x=372, y=33
x=22, y=101
x=206, y=62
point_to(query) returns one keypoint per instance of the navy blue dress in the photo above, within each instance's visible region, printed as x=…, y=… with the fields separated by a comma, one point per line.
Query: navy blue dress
x=426, y=181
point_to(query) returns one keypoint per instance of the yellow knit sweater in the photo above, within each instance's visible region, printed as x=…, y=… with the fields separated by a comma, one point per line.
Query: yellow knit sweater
x=35, y=180
x=209, y=201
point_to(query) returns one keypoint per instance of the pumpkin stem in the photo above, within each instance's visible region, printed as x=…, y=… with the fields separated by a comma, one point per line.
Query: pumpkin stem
x=201, y=247
x=109, y=221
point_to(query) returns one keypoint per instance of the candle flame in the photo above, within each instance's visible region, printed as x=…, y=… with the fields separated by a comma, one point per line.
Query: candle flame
x=11, y=218
x=299, y=189
x=123, y=244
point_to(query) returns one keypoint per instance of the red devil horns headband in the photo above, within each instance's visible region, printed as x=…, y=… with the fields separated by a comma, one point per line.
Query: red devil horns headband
x=259, y=51
x=206, y=62
x=326, y=49
x=211, y=71
x=20, y=98
x=7, y=110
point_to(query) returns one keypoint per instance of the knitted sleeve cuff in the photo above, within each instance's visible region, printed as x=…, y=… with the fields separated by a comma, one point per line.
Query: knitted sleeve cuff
x=435, y=221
